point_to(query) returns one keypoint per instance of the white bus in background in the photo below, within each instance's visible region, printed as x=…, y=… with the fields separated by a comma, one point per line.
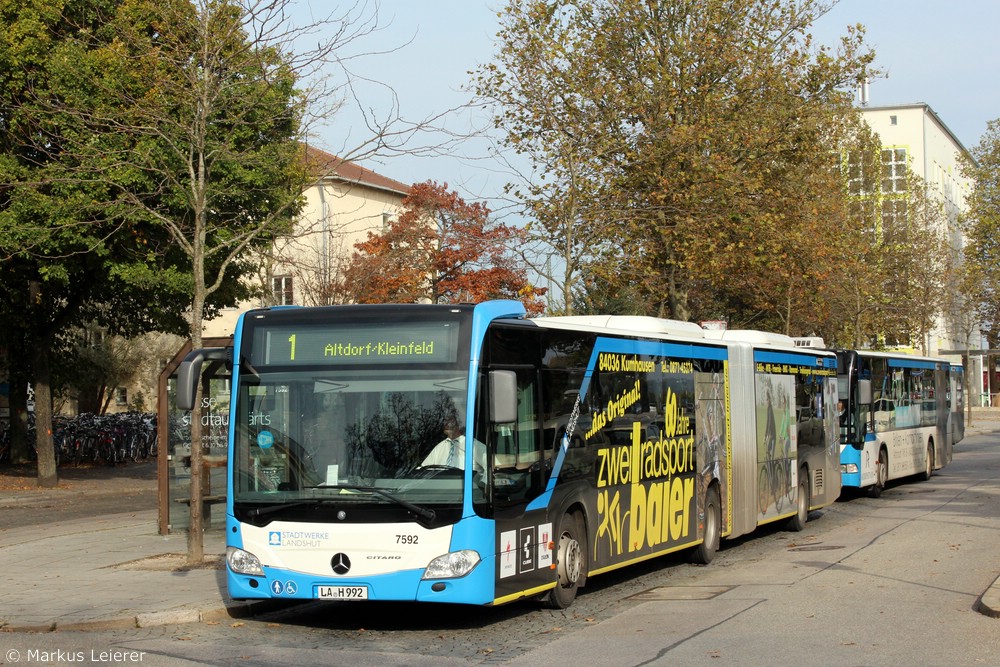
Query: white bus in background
x=899, y=419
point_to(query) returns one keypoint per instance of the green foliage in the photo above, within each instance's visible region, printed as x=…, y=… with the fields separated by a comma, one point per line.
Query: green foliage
x=146, y=147
x=982, y=226
x=671, y=139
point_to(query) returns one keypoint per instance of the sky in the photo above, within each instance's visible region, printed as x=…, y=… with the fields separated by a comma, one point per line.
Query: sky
x=944, y=54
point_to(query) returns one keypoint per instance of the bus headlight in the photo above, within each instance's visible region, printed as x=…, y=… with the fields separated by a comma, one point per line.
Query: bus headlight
x=452, y=565
x=849, y=468
x=243, y=562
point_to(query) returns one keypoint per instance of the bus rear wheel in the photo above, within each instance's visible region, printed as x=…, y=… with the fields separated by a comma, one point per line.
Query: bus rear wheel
x=798, y=520
x=571, y=561
x=928, y=463
x=705, y=552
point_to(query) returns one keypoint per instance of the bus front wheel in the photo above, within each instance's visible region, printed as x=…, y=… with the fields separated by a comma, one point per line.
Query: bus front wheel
x=571, y=561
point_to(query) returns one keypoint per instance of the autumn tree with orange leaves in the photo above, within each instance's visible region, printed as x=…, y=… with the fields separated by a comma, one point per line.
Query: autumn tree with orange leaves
x=441, y=249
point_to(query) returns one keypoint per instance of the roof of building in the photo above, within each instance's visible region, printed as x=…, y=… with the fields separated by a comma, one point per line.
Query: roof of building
x=340, y=169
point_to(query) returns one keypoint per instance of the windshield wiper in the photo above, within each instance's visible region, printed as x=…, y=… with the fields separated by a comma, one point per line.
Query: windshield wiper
x=422, y=512
x=270, y=509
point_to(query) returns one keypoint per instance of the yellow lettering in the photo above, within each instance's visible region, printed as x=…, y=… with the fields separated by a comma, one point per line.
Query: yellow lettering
x=636, y=455
x=655, y=513
x=637, y=518
x=677, y=512
x=681, y=494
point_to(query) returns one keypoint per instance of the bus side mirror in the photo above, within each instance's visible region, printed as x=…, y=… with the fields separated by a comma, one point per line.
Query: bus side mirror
x=503, y=397
x=865, y=392
x=189, y=372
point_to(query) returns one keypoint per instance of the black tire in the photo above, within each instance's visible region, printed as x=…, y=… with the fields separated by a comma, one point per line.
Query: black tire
x=571, y=561
x=705, y=552
x=801, y=516
x=881, y=474
x=928, y=463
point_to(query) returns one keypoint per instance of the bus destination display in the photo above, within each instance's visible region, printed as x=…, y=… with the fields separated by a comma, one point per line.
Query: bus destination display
x=410, y=343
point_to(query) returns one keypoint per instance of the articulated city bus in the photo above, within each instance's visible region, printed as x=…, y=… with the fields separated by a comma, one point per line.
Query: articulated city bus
x=899, y=417
x=468, y=454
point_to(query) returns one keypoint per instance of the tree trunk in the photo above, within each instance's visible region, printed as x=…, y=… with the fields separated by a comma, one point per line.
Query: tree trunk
x=196, y=537
x=48, y=476
x=967, y=381
x=196, y=542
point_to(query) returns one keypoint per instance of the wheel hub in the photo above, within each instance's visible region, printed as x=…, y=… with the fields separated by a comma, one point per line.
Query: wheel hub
x=569, y=560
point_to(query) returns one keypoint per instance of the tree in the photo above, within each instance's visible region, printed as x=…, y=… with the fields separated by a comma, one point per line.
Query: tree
x=188, y=119
x=772, y=268
x=964, y=288
x=63, y=261
x=981, y=223
x=443, y=250
x=102, y=363
x=685, y=121
x=854, y=293
x=532, y=90
x=982, y=226
x=917, y=255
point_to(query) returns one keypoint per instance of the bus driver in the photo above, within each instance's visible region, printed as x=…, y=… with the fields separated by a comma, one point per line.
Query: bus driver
x=450, y=452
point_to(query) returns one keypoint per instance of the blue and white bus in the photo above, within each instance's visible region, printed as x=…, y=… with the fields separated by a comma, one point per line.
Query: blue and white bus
x=898, y=418
x=580, y=445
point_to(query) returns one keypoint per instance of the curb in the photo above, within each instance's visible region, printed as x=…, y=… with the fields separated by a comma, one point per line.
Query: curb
x=232, y=610
x=988, y=603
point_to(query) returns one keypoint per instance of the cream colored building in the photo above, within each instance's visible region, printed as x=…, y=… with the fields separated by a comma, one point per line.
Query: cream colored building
x=913, y=135
x=339, y=211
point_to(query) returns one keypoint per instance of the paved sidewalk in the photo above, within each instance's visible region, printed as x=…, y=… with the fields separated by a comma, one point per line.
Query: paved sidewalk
x=105, y=572
x=116, y=571
x=985, y=420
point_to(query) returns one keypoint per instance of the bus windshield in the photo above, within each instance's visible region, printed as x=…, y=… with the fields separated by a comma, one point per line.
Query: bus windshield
x=361, y=435
x=342, y=408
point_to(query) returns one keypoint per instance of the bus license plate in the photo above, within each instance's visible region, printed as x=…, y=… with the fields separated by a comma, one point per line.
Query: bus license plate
x=342, y=592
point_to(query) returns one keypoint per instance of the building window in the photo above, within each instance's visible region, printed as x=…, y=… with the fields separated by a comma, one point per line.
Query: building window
x=863, y=212
x=892, y=120
x=893, y=170
x=281, y=289
x=856, y=174
x=894, y=221
x=121, y=396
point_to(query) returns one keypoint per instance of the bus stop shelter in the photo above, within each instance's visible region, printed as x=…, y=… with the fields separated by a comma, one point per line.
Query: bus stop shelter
x=173, y=439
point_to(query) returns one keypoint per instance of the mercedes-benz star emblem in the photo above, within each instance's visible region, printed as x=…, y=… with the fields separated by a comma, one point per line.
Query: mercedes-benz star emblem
x=340, y=563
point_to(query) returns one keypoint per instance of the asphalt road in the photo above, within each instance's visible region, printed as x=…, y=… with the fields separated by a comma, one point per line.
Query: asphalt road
x=868, y=582
x=891, y=581
x=82, y=491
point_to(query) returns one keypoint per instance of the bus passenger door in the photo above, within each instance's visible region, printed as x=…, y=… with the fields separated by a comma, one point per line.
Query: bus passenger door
x=521, y=461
